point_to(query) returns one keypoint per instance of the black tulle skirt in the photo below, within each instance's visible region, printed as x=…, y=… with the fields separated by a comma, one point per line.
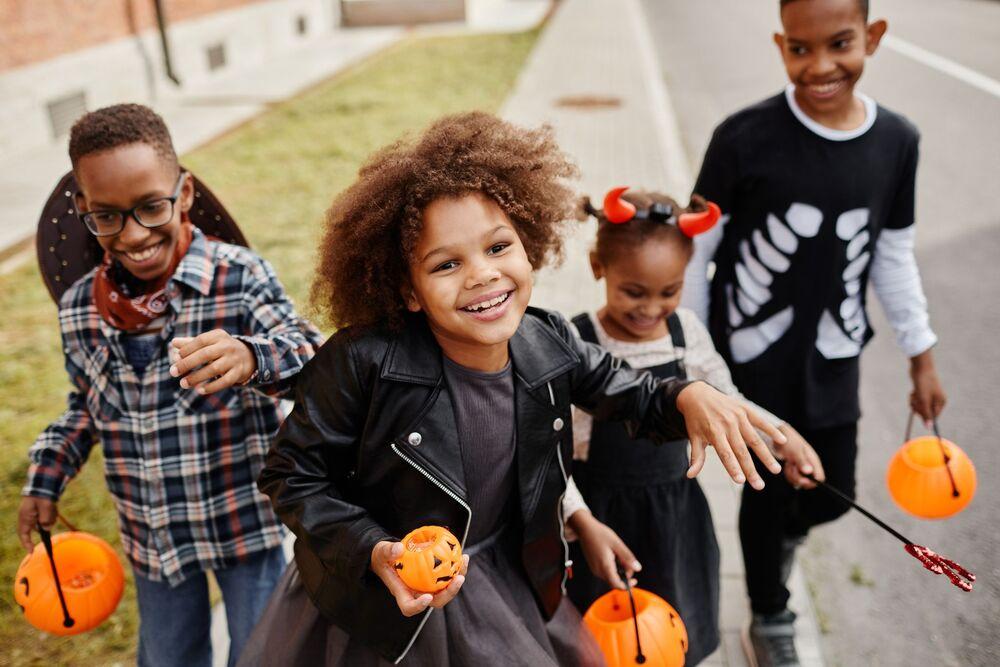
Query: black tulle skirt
x=494, y=620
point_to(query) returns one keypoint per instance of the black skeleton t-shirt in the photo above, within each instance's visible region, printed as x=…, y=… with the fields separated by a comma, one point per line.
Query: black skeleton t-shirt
x=804, y=206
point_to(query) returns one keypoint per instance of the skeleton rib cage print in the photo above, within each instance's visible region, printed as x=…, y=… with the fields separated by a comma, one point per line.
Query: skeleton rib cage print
x=764, y=259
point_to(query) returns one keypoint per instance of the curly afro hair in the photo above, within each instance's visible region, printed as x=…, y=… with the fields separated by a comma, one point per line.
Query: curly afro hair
x=372, y=227
x=120, y=125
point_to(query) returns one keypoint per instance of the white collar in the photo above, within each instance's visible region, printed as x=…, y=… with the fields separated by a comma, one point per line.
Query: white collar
x=871, y=109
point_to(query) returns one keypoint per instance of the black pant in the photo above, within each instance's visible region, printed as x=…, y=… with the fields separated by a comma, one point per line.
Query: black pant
x=779, y=511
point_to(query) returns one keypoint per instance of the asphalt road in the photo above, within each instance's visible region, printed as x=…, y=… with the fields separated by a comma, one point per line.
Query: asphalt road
x=876, y=605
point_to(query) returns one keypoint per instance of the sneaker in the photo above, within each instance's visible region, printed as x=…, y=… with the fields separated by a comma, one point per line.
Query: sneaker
x=772, y=637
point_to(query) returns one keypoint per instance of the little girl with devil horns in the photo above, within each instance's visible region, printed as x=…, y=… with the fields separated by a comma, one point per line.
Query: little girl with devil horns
x=444, y=399
x=644, y=491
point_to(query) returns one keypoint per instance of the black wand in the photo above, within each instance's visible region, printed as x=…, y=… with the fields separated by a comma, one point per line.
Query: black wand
x=957, y=575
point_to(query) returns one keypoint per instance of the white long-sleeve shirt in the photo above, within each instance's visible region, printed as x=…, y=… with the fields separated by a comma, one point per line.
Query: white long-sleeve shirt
x=894, y=277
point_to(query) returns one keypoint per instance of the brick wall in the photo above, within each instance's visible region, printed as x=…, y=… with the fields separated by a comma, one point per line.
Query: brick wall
x=36, y=30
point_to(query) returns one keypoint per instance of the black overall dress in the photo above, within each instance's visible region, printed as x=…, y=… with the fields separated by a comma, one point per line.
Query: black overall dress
x=640, y=490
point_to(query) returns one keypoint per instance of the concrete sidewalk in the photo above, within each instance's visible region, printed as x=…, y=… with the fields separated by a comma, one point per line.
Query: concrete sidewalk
x=594, y=77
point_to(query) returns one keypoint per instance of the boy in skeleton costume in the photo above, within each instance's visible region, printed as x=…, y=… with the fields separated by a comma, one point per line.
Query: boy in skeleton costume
x=816, y=186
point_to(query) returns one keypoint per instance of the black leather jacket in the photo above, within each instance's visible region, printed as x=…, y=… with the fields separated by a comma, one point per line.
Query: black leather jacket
x=371, y=452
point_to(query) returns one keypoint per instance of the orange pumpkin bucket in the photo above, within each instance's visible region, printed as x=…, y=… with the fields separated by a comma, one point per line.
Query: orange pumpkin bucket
x=89, y=587
x=931, y=477
x=431, y=558
x=644, y=630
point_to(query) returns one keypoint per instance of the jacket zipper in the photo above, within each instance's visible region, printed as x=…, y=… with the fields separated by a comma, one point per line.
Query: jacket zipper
x=567, y=563
x=451, y=494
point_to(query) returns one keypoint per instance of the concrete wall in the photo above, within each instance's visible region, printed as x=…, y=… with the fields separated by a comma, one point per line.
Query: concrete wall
x=130, y=69
x=401, y=12
x=37, y=30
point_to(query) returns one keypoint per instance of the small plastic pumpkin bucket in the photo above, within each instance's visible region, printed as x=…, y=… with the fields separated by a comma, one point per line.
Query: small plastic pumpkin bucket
x=654, y=637
x=90, y=576
x=431, y=558
x=931, y=477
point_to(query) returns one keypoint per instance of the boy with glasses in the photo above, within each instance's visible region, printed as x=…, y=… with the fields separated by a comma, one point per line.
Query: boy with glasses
x=179, y=348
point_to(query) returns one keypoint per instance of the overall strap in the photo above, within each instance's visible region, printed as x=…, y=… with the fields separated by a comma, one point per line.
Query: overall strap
x=586, y=328
x=677, y=338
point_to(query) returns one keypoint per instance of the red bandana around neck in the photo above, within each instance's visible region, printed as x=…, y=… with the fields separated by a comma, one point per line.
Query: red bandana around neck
x=134, y=312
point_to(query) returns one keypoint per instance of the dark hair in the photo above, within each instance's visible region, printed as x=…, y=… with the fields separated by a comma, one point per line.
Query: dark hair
x=862, y=5
x=120, y=125
x=372, y=227
x=615, y=239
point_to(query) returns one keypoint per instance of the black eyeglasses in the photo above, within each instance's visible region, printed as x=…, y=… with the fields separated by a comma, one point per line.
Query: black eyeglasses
x=149, y=214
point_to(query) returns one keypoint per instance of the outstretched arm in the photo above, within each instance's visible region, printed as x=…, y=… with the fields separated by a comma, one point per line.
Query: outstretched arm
x=669, y=409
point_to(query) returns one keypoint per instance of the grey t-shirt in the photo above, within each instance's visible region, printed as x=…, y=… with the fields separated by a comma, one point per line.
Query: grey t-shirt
x=484, y=413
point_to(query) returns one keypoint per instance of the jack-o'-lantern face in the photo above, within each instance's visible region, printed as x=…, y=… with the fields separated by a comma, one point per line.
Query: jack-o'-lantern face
x=431, y=558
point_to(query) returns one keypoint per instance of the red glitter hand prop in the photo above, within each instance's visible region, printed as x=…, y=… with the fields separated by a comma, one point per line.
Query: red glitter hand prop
x=937, y=564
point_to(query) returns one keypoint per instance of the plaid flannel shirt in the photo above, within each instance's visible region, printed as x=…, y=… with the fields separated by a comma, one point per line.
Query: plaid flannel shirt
x=182, y=467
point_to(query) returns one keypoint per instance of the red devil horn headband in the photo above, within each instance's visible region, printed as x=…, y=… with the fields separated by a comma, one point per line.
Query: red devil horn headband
x=618, y=211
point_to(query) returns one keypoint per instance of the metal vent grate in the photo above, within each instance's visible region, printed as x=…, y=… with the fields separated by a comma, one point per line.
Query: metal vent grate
x=63, y=112
x=216, y=56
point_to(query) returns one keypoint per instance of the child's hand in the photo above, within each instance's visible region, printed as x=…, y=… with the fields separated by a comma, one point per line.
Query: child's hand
x=34, y=511
x=410, y=602
x=800, y=459
x=927, y=398
x=214, y=354
x=714, y=419
x=603, y=549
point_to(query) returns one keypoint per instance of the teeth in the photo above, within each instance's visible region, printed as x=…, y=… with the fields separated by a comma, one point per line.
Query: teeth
x=143, y=255
x=483, y=305
x=825, y=87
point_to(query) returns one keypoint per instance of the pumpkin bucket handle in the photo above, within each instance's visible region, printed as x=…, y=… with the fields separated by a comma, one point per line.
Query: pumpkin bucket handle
x=639, y=657
x=46, y=536
x=944, y=452
x=66, y=523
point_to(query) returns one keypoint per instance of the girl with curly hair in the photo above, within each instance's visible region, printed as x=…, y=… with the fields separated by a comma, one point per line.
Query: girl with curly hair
x=444, y=399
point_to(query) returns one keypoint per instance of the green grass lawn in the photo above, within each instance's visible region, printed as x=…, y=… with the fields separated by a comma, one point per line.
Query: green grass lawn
x=276, y=174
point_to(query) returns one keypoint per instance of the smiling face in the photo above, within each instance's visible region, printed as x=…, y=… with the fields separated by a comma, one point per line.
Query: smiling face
x=470, y=276
x=643, y=286
x=824, y=47
x=126, y=176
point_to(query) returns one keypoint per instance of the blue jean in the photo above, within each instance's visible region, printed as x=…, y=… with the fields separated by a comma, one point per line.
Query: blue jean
x=175, y=623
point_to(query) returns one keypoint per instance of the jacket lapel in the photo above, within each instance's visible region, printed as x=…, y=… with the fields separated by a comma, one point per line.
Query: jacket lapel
x=415, y=359
x=539, y=356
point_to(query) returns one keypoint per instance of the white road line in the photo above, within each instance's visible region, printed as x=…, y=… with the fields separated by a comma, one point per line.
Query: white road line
x=942, y=64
